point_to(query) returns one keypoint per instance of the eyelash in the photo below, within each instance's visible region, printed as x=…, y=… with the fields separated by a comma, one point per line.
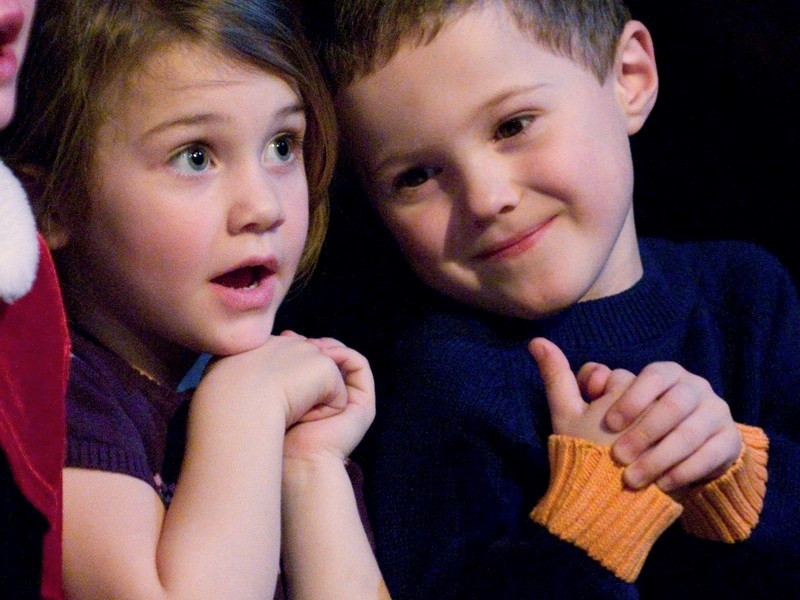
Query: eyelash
x=403, y=181
x=417, y=176
x=523, y=121
x=293, y=140
x=186, y=152
x=295, y=144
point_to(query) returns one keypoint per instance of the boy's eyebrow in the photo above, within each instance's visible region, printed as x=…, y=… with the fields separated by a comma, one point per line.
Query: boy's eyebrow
x=201, y=118
x=503, y=96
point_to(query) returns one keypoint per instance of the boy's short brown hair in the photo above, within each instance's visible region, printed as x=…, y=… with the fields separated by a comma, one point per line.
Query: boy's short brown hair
x=363, y=35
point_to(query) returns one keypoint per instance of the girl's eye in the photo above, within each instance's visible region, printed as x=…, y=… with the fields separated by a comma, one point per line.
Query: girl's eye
x=192, y=159
x=513, y=127
x=415, y=177
x=284, y=148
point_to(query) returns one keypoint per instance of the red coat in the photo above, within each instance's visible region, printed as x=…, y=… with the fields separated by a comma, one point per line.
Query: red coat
x=34, y=359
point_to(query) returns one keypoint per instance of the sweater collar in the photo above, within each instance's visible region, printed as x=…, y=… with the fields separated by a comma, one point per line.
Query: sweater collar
x=636, y=316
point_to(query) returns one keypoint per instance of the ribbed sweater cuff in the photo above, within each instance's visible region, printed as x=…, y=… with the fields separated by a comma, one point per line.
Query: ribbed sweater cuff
x=588, y=504
x=727, y=509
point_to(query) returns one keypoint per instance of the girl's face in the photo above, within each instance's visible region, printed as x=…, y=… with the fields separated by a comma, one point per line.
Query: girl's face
x=198, y=211
x=15, y=24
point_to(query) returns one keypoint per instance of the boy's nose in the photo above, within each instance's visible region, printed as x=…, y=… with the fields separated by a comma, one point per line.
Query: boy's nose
x=489, y=192
x=256, y=204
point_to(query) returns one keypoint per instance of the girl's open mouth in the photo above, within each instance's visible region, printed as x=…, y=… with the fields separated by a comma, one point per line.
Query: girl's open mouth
x=242, y=278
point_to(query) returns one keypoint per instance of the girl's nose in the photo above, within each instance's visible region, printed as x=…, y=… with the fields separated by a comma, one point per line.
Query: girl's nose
x=256, y=205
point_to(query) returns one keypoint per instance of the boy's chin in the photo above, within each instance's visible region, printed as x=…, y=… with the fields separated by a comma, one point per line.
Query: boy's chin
x=510, y=306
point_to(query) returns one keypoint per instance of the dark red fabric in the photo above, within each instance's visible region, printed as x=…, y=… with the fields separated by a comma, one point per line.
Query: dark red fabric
x=34, y=362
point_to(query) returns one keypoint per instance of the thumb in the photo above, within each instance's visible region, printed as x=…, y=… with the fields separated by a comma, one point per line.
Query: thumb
x=563, y=395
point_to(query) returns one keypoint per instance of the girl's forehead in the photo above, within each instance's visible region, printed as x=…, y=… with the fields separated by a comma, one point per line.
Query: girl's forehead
x=187, y=64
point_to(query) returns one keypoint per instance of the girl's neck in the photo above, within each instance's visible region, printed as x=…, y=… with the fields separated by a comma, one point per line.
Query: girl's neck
x=159, y=360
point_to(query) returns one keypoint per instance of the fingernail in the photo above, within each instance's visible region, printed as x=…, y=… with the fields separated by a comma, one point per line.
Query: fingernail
x=623, y=453
x=614, y=421
x=665, y=484
x=633, y=477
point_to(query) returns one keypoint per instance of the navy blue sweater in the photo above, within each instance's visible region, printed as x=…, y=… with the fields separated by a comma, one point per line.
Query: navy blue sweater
x=457, y=456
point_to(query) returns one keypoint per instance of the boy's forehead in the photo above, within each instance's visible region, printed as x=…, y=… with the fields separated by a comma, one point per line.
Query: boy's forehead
x=477, y=59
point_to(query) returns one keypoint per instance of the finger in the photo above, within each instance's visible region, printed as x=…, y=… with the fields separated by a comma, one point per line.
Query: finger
x=320, y=411
x=592, y=380
x=710, y=461
x=326, y=343
x=657, y=421
x=680, y=443
x=618, y=382
x=292, y=334
x=355, y=371
x=563, y=395
x=654, y=380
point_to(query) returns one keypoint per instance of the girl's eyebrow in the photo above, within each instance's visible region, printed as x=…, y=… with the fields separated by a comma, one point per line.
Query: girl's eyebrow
x=202, y=118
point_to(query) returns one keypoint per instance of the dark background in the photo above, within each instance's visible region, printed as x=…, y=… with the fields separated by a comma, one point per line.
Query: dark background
x=715, y=160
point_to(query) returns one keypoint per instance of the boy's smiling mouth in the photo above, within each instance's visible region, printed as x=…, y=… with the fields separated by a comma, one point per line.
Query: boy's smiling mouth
x=516, y=244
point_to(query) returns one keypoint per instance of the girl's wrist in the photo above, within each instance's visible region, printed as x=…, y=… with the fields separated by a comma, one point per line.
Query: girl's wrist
x=312, y=470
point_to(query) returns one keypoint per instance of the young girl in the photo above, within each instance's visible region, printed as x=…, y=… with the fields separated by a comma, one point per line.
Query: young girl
x=179, y=148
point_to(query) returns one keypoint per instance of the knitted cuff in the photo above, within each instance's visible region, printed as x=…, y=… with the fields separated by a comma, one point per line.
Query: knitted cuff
x=588, y=504
x=727, y=508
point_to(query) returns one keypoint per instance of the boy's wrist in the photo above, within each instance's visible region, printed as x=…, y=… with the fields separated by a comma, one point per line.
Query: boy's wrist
x=728, y=508
x=588, y=504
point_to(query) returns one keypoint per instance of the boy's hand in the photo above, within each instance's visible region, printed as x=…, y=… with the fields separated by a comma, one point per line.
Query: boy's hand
x=569, y=413
x=679, y=432
x=337, y=434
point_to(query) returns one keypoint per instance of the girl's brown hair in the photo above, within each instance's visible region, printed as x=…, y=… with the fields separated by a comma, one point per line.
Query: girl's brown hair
x=80, y=49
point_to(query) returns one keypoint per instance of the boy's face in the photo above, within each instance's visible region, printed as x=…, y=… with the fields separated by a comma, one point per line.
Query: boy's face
x=15, y=24
x=502, y=170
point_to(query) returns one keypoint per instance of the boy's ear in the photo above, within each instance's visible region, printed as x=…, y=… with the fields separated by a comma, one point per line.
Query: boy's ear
x=635, y=73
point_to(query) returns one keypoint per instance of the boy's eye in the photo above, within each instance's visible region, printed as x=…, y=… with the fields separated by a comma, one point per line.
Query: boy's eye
x=513, y=127
x=283, y=148
x=415, y=177
x=192, y=159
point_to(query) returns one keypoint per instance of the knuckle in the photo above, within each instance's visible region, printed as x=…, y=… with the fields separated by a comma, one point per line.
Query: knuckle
x=676, y=405
x=639, y=437
x=655, y=375
x=689, y=437
x=702, y=387
x=620, y=377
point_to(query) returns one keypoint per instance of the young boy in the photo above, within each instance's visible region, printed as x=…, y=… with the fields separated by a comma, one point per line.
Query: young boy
x=492, y=140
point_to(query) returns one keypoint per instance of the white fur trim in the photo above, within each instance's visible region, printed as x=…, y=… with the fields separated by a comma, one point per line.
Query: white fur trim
x=19, y=246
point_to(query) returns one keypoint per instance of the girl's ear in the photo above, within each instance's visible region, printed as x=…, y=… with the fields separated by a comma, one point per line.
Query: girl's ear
x=54, y=229
x=635, y=74
x=52, y=223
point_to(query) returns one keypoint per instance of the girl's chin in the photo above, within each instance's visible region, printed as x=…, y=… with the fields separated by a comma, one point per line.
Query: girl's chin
x=239, y=345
